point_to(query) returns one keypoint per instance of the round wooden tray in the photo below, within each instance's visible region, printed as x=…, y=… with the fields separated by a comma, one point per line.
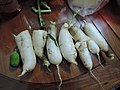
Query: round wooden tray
x=7, y=45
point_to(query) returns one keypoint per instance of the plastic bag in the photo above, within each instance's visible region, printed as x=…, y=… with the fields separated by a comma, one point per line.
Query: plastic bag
x=87, y=7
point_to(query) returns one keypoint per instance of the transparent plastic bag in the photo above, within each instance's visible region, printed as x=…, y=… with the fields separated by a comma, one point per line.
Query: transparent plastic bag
x=87, y=7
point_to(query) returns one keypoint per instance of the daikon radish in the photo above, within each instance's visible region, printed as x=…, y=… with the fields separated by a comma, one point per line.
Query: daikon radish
x=67, y=46
x=25, y=47
x=85, y=57
x=83, y=43
x=78, y=35
x=84, y=54
x=39, y=40
x=93, y=47
x=53, y=51
x=93, y=33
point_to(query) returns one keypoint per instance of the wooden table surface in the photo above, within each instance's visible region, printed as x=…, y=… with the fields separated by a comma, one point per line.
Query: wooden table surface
x=107, y=22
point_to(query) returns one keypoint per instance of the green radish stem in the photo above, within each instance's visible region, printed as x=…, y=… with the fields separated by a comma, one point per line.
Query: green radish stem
x=42, y=11
x=42, y=23
x=46, y=63
x=45, y=4
x=58, y=71
x=74, y=15
x=97, y=80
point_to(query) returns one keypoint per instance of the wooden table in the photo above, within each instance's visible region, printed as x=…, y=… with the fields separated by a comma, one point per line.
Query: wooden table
x=107, y=22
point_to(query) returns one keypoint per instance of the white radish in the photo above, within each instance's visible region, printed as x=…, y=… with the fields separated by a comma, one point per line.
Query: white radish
x=85, y=57
x=93, y=47
x=78, y=35
x=67, y=46
x=53, y=51
x=84, y=54
x=39, y=40
x=83, y=42
x=93, y=33
x=25, y=47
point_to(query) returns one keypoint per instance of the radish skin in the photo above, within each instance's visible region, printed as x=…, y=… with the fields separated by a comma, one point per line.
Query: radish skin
x=78, y=35
x=67, y=46
x=85, y=57
x=39, y=40
x=84, y=54
x=93, y=33
x=53, y=50
x=93, y=47
x=83, y=42
x=25, y=47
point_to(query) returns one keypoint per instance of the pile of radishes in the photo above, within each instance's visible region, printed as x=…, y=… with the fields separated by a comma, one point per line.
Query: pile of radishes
x=70, y=40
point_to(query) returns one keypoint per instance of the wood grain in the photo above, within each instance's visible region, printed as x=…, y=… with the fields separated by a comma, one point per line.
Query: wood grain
x=110, y=18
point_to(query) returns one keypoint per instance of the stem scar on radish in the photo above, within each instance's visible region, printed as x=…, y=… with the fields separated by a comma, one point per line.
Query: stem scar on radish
x=24, y=44
x=53, y=51
x=93, y=33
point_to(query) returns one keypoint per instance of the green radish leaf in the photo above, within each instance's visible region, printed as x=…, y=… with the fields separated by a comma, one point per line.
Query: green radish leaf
x=14, y=59
x=46, y=67
x=46, y=63
x=53, y=39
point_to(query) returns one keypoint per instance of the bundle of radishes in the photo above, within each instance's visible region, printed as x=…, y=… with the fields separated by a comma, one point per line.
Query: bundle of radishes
x=91, y=41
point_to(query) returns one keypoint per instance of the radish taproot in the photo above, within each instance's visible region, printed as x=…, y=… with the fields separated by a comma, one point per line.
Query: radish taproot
x=53, y=50
x=93, y=33
x=78, y=35
x=25, y=47
x=66, y=43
